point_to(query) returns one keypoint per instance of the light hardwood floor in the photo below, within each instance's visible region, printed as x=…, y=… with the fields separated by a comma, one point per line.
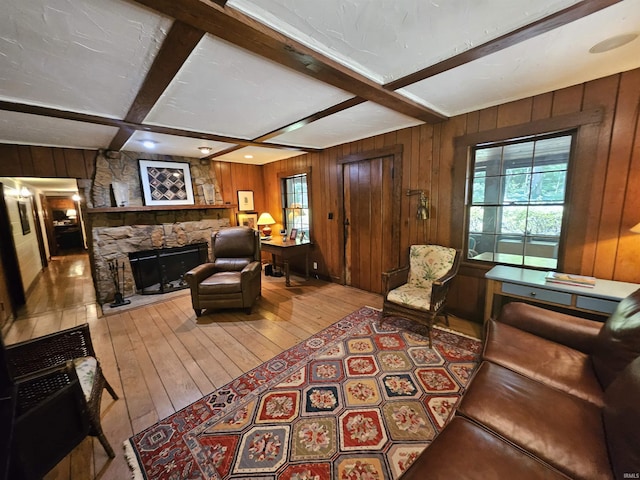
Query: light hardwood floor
x=160, y=358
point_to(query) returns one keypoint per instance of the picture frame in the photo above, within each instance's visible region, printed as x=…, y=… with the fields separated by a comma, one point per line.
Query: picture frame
x=166, y=183
x=24, y=218
x=293, y=234
x=248, y=220
x=245, y=201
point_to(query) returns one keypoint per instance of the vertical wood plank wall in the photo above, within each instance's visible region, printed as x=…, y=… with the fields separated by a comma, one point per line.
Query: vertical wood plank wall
x=605, y=183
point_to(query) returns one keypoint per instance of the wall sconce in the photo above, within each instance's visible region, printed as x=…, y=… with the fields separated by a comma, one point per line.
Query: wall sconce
x=24, y=193
x=423, y=204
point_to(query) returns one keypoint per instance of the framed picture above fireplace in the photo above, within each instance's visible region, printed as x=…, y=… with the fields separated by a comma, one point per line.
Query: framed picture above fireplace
x=166, y=183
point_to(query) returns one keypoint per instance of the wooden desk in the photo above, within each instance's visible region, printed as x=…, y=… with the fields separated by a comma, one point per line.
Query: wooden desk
x=524, y=284
x=286, y=250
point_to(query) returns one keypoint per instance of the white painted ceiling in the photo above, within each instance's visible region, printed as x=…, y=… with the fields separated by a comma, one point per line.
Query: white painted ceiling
x=91, y=57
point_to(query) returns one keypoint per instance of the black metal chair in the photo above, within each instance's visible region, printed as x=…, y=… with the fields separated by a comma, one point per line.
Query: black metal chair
x=419, y=290
x=58, y=386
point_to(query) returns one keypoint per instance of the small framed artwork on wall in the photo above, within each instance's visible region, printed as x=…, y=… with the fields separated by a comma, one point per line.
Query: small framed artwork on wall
x=245, y=200
x=248, y=220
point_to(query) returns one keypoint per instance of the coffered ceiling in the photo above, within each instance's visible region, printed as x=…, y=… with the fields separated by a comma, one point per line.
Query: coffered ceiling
x=270, y=79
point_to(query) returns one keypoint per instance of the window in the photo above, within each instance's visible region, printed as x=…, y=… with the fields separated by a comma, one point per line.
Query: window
x=295, y=201
x=516, y=202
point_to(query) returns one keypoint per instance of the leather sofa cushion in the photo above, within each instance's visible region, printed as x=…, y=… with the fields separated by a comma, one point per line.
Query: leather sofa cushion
x=465, y=451
x=622, y=420
x=543, y=360
x=559, y=429
x=221, y=282
x=618, y=342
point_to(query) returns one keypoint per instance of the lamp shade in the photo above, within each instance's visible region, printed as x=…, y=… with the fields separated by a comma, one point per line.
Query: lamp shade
x=636, y=229
x=266, y=219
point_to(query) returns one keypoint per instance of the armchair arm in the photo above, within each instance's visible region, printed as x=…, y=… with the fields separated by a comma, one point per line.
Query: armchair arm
x=199, y=273
x=251, y=270
x=394, y=278
x=575, y=332
x=50, y=420
x=49, y=350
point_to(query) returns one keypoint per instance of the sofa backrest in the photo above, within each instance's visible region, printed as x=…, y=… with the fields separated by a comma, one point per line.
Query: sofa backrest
x=618, y=342
x=621, y=416
x=234, y=248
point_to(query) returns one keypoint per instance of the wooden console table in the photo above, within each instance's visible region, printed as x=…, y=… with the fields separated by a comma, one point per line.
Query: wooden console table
x=286, y=250
x=525, y=284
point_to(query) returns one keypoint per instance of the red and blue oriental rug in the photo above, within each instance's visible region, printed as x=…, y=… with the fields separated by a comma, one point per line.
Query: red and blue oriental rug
x=354, y=401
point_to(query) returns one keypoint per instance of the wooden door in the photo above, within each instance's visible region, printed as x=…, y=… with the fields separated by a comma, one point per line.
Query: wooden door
x=370, y=227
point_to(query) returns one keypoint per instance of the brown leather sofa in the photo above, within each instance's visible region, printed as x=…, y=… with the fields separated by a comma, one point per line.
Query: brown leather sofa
x=555, y=396
x=233, y=278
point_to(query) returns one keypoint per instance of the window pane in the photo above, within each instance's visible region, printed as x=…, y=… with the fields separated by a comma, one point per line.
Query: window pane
x=517, y=198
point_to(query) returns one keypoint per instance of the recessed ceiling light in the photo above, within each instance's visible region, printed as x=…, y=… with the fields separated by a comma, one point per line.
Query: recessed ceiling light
x=613, y=42
x=149, y=143
x=205, y=150
x=248, y=156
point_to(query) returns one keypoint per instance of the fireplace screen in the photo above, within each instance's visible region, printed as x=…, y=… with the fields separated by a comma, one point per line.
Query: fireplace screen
x=162, y=270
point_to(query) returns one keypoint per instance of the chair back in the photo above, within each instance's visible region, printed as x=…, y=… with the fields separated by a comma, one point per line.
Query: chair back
x=234, y=248
x=428, y=263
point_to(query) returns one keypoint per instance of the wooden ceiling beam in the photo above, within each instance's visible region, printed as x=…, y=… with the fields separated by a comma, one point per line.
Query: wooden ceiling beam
x=176, y=48
x=546, y=24
x=244, y=32
x=123, y=124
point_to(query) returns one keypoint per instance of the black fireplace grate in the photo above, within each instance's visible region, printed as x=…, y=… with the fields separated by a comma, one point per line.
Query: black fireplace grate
x=162, y=270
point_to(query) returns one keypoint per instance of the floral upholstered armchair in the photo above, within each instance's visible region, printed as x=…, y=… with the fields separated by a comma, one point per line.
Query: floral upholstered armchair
x=419, y=290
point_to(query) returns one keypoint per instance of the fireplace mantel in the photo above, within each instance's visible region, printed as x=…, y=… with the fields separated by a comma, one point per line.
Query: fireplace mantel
x=155, y=208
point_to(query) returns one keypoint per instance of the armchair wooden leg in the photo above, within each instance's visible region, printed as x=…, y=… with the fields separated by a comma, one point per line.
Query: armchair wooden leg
x=198, y=311
x=105, y=443
x=110, y=389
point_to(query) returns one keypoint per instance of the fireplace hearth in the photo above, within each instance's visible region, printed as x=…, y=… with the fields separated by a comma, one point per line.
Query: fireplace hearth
x=162, y=270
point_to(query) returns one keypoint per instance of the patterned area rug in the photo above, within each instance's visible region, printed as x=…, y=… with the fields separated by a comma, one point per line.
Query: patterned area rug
x=354, y=401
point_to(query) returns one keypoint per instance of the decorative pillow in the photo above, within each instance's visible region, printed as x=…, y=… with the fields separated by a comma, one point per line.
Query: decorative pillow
x=428, y=263
x=86, y=370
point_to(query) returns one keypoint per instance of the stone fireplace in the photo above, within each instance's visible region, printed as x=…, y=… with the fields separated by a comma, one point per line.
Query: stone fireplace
x=114, y=232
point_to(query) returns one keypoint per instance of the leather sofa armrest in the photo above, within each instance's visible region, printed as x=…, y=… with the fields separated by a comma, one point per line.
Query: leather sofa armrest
x=575, y=332
x=199, y=273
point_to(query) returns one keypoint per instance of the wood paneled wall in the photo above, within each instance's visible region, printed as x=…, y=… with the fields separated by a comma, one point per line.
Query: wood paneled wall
x=46, y=162
x=605, y=182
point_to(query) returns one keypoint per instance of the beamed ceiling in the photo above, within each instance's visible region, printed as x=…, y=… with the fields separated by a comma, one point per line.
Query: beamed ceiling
x=275, y=78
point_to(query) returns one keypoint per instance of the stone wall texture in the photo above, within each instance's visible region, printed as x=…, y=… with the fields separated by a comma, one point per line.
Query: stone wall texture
x=112, y=236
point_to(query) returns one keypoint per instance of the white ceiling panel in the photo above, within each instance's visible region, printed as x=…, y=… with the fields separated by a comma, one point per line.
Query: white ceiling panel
x=228, y=91
x=258, y=155
x=87, y=56
x=361, y=121
x=25, y=129
x=172, y=145
x=554, y=60
x=388, y=39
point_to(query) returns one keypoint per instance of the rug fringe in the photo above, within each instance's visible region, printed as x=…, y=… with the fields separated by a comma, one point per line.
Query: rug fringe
x=373, y=308
x=132, y=460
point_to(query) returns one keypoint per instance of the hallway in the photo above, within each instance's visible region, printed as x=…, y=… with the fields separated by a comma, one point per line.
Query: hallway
x=61, y=297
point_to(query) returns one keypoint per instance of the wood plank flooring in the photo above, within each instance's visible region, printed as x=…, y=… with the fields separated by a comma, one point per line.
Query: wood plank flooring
x=160, y=358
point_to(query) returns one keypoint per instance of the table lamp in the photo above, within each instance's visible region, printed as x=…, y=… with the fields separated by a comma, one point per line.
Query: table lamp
x=266, y=219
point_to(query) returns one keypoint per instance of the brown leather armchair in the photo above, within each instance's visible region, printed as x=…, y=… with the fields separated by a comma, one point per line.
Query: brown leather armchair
x=233, y=278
